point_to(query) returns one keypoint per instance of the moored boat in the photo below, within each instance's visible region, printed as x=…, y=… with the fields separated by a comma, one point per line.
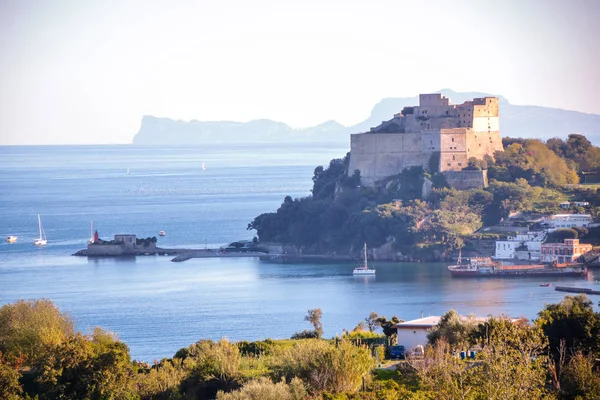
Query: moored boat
x=364, y=269
x=162, y=233
x=485, y=266
x=11, y=239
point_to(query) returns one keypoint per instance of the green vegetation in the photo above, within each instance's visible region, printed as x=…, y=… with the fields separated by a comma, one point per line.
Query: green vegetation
x=555, y=357
x=341, y=215
x=146, y=242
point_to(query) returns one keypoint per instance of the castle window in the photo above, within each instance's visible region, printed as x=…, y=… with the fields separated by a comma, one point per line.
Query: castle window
x=453, y=139
x=449, y=164
x=453, y=158
x=446, y=112
x=460, y=164
x=431, y=142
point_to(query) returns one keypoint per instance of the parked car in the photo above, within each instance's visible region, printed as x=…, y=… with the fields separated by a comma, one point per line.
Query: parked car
x=397, y=352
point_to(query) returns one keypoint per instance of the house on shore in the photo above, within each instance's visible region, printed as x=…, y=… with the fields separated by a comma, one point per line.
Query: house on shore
x=564, y=253
x=522, y=246
x=412, y=334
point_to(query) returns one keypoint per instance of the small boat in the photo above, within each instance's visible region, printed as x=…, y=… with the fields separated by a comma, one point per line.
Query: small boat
x=545, y=284
x=162, y=233
x=203, y=166
x=364, y=269
x=11, y=239
x=41, y=241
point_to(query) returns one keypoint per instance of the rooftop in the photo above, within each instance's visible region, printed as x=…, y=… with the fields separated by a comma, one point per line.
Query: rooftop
x=430, y=322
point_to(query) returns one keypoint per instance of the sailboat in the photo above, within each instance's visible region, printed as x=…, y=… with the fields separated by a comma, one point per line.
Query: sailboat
x=364, y=269
x=41, y=241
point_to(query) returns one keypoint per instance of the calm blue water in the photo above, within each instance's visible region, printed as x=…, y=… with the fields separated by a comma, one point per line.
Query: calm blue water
x=157, y=306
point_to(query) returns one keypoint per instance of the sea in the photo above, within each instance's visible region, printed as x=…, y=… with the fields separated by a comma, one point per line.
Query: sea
x=205, y=197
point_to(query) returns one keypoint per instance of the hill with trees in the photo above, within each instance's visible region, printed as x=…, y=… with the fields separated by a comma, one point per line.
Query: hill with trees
x=340, y=215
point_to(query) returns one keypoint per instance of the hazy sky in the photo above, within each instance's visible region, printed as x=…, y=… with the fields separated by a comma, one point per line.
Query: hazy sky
x=87, y=71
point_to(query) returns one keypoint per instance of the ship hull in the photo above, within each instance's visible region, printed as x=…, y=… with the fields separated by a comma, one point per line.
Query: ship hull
x=520, y=273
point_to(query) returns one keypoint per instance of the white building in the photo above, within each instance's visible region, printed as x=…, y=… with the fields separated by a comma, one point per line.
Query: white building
x=523, y=246
x=559, y=221
x=414, y=333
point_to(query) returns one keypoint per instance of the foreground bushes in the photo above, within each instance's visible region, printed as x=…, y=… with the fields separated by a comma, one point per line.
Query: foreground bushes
x=264, y=389
x=324, y=366
x=554, y=358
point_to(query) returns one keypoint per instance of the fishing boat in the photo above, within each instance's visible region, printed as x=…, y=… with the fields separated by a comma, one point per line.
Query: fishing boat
x=41, y=241
x=545, y=284
x=162, y=233
x=364, y=269
x=11, y=239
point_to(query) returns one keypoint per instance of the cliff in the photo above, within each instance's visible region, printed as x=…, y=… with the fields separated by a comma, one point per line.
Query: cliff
x=517, y=121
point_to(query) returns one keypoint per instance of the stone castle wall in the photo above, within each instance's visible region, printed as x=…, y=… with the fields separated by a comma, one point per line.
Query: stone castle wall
x=105, y=250
x=378, y=156
x=454, y=133
x=465, y=180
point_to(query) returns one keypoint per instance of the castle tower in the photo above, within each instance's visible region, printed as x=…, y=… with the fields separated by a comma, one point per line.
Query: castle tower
x=434, y=133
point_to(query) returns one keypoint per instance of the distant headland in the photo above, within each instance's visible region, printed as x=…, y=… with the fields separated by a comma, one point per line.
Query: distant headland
x=517, y=121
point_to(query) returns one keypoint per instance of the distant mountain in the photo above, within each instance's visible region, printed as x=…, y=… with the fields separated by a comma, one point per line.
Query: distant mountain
x=167, y=131
x=515, y=121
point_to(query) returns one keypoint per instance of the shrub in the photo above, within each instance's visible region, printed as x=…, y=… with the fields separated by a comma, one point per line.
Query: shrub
x=28, y=327
x=305, y=334
x=324, y=366
x=265, y=389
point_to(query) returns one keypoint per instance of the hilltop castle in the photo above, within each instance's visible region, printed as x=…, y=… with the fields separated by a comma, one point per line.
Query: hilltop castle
x=433, y=133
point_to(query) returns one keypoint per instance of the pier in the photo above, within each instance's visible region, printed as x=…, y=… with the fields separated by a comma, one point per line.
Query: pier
x=180, y=254
x=576, y=290
x=213, y=254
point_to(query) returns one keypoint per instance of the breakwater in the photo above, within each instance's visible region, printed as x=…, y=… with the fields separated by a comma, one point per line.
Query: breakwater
x=576, y=290
x=180, y=254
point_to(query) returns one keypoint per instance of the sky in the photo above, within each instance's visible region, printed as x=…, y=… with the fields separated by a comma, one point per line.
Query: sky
x=85, y=72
